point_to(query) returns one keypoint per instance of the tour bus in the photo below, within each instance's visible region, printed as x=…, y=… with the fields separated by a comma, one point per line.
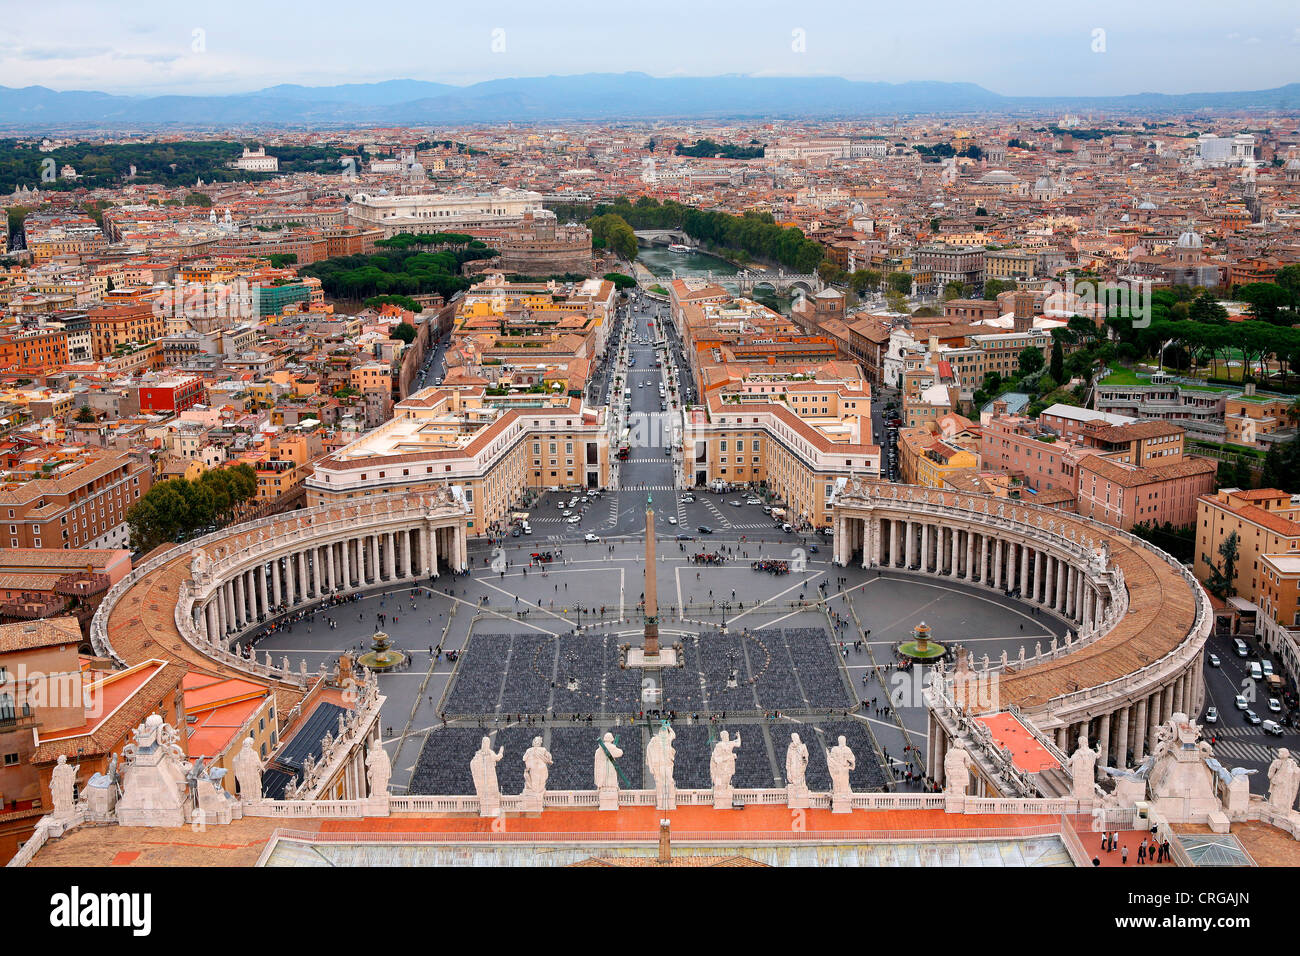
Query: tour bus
x=625, y=444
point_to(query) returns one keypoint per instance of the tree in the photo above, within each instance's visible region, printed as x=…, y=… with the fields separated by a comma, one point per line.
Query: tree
x=953, y=290
x=404, y=331
x=620, y=280
x=995, y=287
x=1242, y=476
x=864, y=279
x=900, y=282
x=1057, y=368
x=86, y=415
x=1222, y=578
x=1031, y=360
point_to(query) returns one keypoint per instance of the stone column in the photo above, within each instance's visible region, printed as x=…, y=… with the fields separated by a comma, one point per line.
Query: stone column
x=1061, y=742
x=433, y=551
x=240, y=608
x=998, y=546
x=302, y=577
x=261, y=587
x=227, y=607
x=1121, y=739
x=1140, y=737
x=374, y=558
x=463, y=540
x=277, y=592
x=911, y=545
x=1024, y=570
x=1103, y=738
x=330, y=581
x=346, y=560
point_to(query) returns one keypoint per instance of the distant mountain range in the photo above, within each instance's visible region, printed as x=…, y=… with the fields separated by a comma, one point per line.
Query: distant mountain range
x=590, y=96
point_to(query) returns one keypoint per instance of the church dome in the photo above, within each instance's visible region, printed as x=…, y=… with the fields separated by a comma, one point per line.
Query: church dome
x=1189, y=240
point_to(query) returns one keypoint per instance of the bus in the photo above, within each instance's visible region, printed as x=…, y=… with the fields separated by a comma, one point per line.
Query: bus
x=625, y=444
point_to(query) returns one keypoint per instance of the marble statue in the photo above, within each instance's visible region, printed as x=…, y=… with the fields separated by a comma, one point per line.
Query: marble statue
x=379, y=769
x=63, y=782
x=659, y=758
x=1083, y=771
x=840, y=760
x=483, y=768
x=796, y=763
x=956, y=770
x=606, y=771
x=248, y=770
x=537, y=768
x=722, y=763
x=198, y=564
x=1283, y=781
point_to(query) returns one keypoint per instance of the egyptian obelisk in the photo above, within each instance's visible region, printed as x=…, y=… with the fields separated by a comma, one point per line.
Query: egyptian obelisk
x=651, y=642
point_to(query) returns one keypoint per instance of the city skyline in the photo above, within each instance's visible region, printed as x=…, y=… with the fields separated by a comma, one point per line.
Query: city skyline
x=1108, y=49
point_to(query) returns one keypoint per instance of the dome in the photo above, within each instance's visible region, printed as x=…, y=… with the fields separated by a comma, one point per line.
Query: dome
x=1124, y=218
x=997, y=176
x=1147, y=205
x=1042, y=182
x=1189, y=240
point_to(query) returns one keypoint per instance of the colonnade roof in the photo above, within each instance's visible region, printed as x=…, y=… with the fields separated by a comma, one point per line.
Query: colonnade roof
x=1161, y=602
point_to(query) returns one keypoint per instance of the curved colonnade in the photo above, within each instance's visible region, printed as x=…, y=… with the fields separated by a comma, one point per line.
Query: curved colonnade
x=192, y=604
x=1141, y=617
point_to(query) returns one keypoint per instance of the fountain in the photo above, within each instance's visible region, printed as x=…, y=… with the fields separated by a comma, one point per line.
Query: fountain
x=921, y=647
x=382, y=656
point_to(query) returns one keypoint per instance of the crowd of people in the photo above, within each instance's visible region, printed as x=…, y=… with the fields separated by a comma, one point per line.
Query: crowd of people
x=771, y=566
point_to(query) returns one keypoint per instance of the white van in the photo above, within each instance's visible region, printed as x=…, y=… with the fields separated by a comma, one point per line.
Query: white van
x=1256, y=672
x=1240, y=646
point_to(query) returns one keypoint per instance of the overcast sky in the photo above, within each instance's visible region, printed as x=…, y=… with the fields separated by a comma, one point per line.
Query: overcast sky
x=1014, y=47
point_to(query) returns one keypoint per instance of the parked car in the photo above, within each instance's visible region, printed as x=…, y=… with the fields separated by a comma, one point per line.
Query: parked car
x=672, y=519
x=734, y=504
x=1256, y=672
x=1266, y=666
x=1212, y=715
x=1240, y=647
x=1253, y=718
x=590, y=537
x=704, y=529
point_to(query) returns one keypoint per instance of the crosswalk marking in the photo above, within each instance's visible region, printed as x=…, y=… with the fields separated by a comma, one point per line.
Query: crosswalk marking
x=1260, y=753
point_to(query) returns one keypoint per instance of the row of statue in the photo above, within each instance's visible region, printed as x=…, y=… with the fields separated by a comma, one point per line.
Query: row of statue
x=660, y=758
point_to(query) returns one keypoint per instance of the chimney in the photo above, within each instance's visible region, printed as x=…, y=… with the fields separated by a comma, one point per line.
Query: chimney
x=1023, y=308
x=999, y=408
x=665, y=843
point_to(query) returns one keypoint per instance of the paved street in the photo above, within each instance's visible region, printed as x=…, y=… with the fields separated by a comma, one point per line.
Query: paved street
x=1238, y=743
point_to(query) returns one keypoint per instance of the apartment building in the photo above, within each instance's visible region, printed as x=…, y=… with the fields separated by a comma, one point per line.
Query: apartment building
x=1266, y=521
x=488, y=449
x=76, y=500
x=798, y=442
x=1277, y=623
x=1123, y=494
x=1198, y=409
x=34, y=351
x=115, y=325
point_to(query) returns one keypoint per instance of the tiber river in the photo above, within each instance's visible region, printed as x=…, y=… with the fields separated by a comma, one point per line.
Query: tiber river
x=662, y=262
